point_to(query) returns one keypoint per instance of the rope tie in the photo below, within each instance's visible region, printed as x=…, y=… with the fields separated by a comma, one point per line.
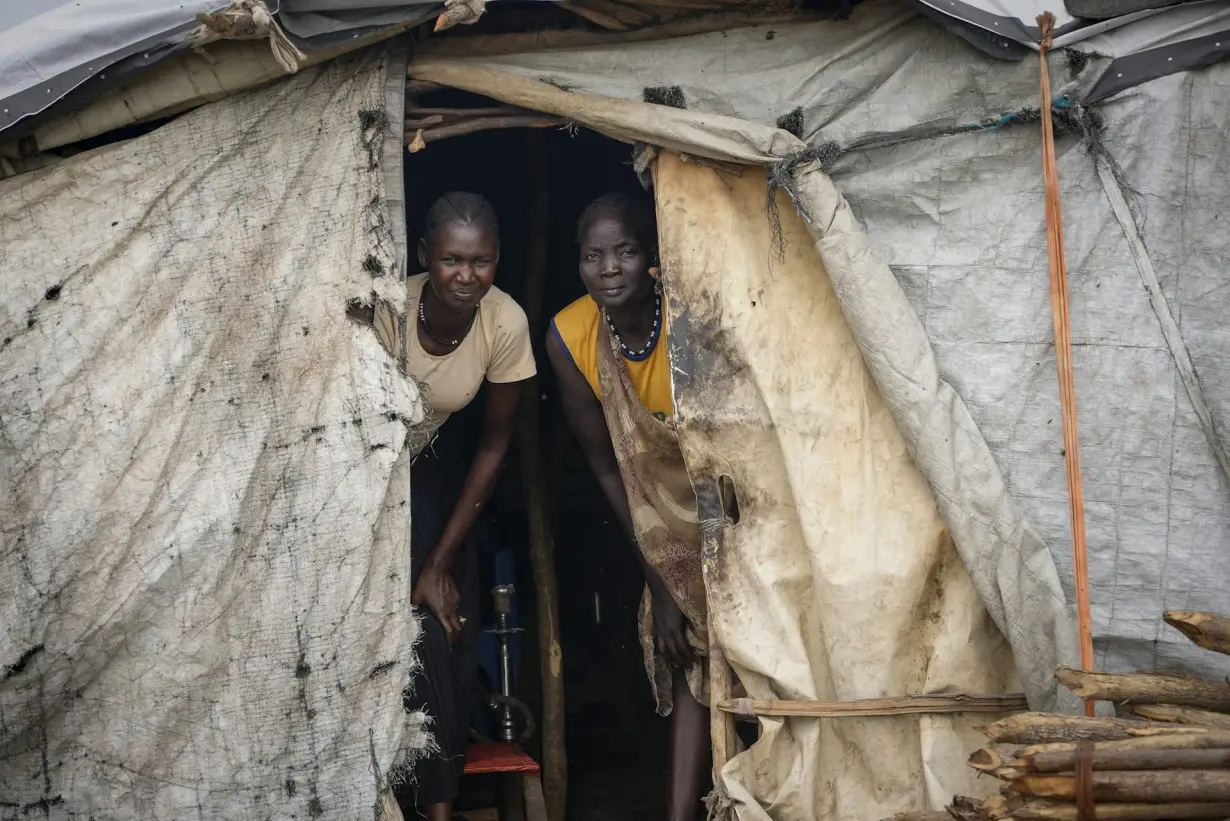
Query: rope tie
x=245, y=20
x=460, y=12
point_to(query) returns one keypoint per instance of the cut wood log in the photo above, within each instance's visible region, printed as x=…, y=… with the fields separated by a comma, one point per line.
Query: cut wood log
x=1147, y=688
x=1181, y=715
x=986, y=760
x=1044, y=810
x=1208, y=630
x=1199, y=740
x=1127, y=787
x=1040, y=728
x=1128, y=760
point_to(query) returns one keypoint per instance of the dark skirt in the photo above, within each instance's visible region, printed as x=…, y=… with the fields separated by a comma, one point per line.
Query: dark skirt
x=444, y=684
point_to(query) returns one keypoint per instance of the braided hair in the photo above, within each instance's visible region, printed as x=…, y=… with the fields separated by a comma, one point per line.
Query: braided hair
x=460, y=208
x=636, y=212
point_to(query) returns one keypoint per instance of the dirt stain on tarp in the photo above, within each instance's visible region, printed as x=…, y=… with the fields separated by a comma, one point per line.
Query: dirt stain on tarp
x=665, y=95
x=19, y=666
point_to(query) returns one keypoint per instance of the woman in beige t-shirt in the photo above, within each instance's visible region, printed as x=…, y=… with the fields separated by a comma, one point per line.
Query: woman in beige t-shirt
x=460, y=331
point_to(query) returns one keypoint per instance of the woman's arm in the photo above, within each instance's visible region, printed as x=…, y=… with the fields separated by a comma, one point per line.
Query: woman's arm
x=436, y=589
x=584, y=414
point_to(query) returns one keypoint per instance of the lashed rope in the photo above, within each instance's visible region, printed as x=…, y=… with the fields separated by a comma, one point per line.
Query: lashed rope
x=245, y=20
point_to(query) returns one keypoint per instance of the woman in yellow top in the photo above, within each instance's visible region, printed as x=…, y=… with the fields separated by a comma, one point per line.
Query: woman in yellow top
x=609, y=351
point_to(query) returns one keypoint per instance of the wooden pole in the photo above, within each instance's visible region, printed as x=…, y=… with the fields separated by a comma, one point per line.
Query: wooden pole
x=1063, y=355
x=542, y=546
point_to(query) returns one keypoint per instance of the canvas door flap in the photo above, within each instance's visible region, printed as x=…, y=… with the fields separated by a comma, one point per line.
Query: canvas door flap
x=840, y=580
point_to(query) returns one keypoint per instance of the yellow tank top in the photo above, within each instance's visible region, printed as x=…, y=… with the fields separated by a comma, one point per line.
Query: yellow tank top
x=577, y=329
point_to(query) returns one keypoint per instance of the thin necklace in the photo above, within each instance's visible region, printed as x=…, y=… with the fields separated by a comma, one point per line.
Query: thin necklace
x=441, y=342
x=653, y=334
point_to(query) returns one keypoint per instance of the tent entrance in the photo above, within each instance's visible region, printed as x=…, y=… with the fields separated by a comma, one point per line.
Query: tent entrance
x=616, y=747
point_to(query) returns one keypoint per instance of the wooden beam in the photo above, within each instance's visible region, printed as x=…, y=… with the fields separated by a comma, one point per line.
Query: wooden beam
x=542, y=545
x=877, y=706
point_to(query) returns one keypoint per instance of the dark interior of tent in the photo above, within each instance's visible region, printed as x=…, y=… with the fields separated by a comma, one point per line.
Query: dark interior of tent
x=616, y=746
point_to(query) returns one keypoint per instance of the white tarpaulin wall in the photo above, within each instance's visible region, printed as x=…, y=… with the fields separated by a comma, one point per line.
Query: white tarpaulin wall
x=203, y=599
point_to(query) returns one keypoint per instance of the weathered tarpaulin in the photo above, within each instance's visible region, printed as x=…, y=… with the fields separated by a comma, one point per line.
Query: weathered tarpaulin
x=203, y=547
x=839, y=581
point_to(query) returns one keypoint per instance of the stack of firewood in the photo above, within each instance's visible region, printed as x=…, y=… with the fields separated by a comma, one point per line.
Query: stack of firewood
x=1167, y=758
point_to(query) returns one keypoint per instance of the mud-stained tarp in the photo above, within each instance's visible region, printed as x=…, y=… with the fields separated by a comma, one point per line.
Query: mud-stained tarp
x=203, y=598
x=839, y=580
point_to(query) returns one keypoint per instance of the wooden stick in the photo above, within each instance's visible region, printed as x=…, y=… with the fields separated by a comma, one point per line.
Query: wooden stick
x=908, y=705
x=1181, y=715
x=1208, y=630
x=1040, y=728
x=1185, y=738
x=1129, y=760
x=483, y=124
x=1126, y=787
x=606, y=21
x=1063, y=355
x=1044, y=810
x=478, y=111
x=542, y=546
x=1147, y=688
x=628, y=15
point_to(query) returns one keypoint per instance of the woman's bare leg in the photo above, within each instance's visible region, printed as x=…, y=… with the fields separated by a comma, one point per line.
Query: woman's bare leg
x=689, y=752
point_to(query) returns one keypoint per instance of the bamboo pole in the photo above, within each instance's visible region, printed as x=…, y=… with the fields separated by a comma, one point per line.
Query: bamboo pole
x=1147, y=688
x=1208, y=630
x=1063, y=355
x=542, y=546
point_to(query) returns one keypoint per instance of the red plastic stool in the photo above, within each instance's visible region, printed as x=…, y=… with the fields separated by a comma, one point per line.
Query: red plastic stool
x=522, y=798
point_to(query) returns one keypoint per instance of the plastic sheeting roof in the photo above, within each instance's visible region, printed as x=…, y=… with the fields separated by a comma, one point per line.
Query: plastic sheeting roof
x=75, y=50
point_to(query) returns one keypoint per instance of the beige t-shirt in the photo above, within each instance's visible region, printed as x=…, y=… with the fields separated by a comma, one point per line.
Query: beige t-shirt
x=497, y=348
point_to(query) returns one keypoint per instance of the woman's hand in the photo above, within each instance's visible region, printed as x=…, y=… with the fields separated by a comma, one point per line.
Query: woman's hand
x=437, y=592
x=670, y=627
